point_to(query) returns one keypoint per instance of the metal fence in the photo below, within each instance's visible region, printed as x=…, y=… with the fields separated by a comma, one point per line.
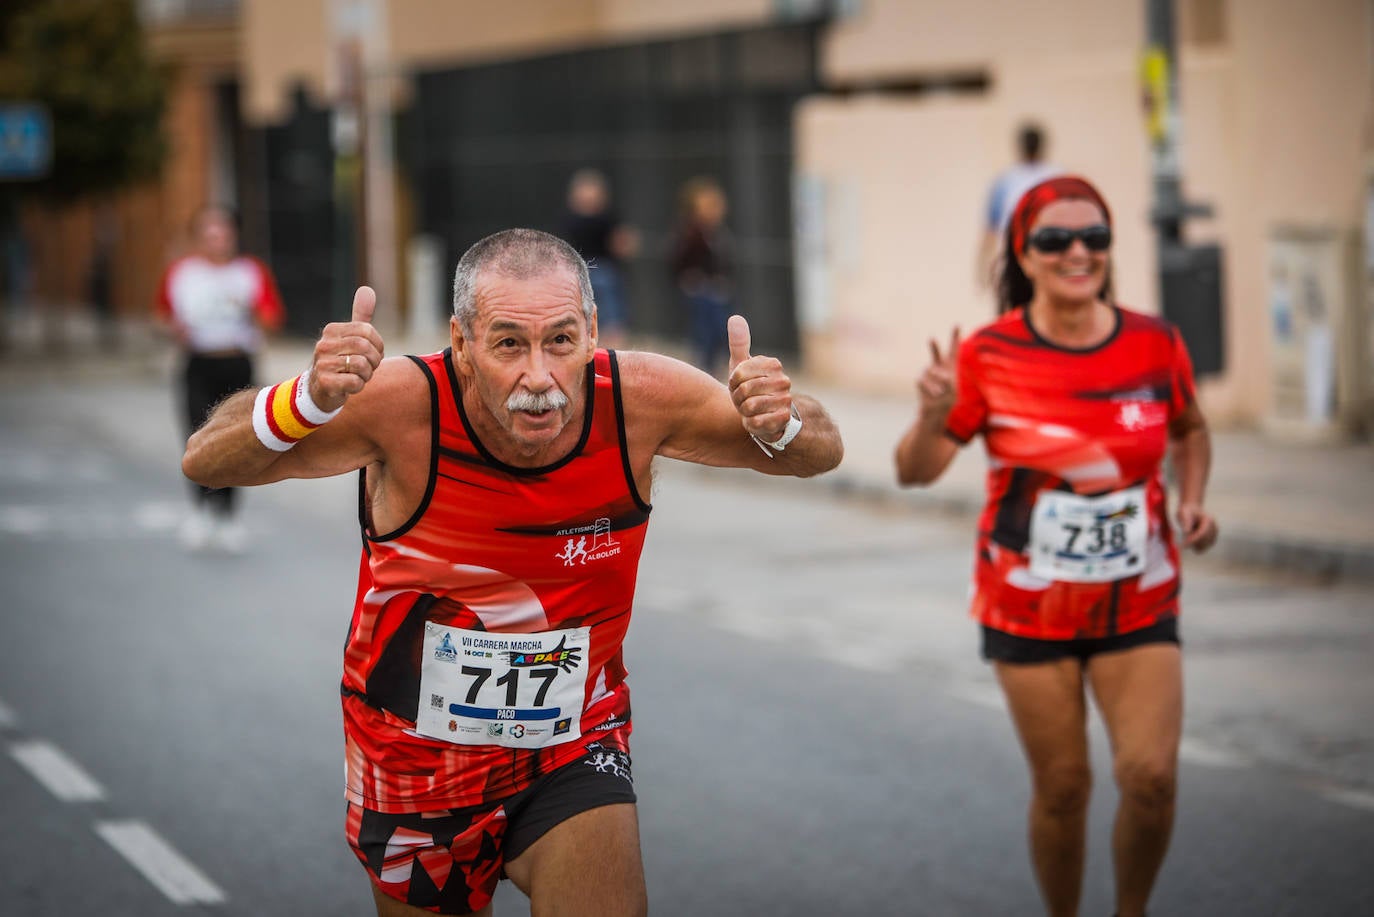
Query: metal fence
x=492, y=146
x=297, y=217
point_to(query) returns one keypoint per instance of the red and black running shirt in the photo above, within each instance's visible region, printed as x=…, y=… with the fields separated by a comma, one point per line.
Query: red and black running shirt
x=1091, y=421
x=500, y=549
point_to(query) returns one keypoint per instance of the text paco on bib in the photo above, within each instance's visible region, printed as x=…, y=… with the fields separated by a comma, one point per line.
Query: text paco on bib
x=1081, y=539
x=515, y=690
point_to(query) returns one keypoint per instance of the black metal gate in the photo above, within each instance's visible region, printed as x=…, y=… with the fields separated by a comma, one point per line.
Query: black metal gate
x=294, y=219
x=493, y=146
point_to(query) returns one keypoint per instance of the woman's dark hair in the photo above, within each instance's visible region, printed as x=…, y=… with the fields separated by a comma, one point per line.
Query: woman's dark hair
x=1014, y=288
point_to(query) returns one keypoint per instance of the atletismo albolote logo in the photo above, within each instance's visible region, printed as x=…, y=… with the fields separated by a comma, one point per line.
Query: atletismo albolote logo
x=577, y=550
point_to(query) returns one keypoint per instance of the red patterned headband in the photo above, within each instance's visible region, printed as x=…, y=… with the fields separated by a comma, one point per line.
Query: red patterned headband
x=1042, y=195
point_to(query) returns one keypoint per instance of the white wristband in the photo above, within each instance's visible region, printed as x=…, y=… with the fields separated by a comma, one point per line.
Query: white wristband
x=285, y=414
x=789, y=433
x=306, y=405
x=260, y=425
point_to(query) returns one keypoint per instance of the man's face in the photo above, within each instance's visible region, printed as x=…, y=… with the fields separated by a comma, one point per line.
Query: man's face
x=526, y=359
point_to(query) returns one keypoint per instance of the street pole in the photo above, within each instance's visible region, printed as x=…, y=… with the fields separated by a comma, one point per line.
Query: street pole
x=1161, y=88
x=364, y=147
x=350, y=244
x=1190, y=276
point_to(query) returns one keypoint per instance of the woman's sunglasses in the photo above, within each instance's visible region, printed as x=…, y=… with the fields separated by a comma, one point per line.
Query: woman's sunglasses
x=1055, y=239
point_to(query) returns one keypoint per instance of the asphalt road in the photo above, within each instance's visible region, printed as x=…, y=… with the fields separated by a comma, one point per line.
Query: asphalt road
x=814, y=733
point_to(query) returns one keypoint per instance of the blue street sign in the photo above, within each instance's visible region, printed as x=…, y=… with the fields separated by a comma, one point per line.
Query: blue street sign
x=25, y=141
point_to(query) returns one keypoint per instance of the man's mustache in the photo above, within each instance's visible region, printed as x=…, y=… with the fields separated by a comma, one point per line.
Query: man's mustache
x=537, y=403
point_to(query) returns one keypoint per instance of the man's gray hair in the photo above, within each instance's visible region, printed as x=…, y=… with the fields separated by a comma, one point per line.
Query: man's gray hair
x=519, y=254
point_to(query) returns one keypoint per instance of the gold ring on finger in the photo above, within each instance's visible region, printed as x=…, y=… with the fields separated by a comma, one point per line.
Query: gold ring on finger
x=348, y=360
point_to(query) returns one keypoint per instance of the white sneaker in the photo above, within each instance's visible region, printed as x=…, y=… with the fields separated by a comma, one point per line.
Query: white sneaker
x=230, y=536
x=197, y=530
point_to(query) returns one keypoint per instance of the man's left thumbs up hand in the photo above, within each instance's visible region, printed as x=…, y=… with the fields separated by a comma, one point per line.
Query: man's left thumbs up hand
x=760, y=389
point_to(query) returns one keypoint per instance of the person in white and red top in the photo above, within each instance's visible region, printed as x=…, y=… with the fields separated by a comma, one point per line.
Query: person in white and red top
x=216, y=303
x=485, y=703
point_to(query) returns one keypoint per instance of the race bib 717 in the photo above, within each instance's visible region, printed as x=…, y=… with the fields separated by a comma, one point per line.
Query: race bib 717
x=516, y=690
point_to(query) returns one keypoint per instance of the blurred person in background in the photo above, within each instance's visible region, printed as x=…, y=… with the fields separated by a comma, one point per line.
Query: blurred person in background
x=486, y=712
x=1077, y=565
x=702, y=262
x=592, y=226
x=1006, y=189
x=215, y=303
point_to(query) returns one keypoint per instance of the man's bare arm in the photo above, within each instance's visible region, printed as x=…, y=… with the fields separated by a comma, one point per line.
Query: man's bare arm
x=227, y=452
x=680, y=412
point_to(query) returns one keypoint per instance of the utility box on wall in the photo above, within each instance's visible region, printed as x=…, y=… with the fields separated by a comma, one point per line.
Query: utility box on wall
x=1190, y=288
x=1319, y=336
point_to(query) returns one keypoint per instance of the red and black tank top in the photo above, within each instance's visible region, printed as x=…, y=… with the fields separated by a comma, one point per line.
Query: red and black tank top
x=492, y=550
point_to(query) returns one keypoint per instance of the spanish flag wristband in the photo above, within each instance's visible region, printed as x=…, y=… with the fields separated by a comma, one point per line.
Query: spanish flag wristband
x=284, y=414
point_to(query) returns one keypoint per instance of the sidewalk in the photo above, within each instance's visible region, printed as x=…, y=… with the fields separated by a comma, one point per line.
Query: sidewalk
x=1309, y=509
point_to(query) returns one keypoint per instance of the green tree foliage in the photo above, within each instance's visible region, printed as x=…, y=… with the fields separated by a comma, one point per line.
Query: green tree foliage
x=87, y=62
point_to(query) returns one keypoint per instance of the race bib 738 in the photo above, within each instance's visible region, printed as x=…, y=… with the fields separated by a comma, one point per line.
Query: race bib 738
x=1089, y=539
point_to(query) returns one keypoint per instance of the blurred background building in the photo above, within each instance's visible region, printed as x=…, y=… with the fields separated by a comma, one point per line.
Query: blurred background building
x=855, y=139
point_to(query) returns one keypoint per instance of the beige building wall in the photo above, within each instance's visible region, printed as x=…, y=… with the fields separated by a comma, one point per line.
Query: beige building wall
x=906, y=177
x=440, y=31
x=898, y=38
x=1276, y=108
x=1297, y=104
x=290, y=44
x=897, y=184
x=627, y=19
x=284, y=45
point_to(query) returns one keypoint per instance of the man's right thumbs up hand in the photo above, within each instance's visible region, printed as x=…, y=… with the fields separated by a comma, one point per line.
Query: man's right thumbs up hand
x=346, y=354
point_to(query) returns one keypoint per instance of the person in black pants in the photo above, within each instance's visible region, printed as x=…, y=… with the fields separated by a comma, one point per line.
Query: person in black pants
x=216, y=304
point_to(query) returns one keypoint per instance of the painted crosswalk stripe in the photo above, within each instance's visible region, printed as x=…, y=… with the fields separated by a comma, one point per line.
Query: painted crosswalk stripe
x=161, y=864
x=63, y=777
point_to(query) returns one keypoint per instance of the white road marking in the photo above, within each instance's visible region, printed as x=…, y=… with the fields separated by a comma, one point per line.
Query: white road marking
x=161, y=864
x=85, y=523
x=25, y=521
x=63, y=777
x=1358, y=799
x=7, y=718
x=1196, y=751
